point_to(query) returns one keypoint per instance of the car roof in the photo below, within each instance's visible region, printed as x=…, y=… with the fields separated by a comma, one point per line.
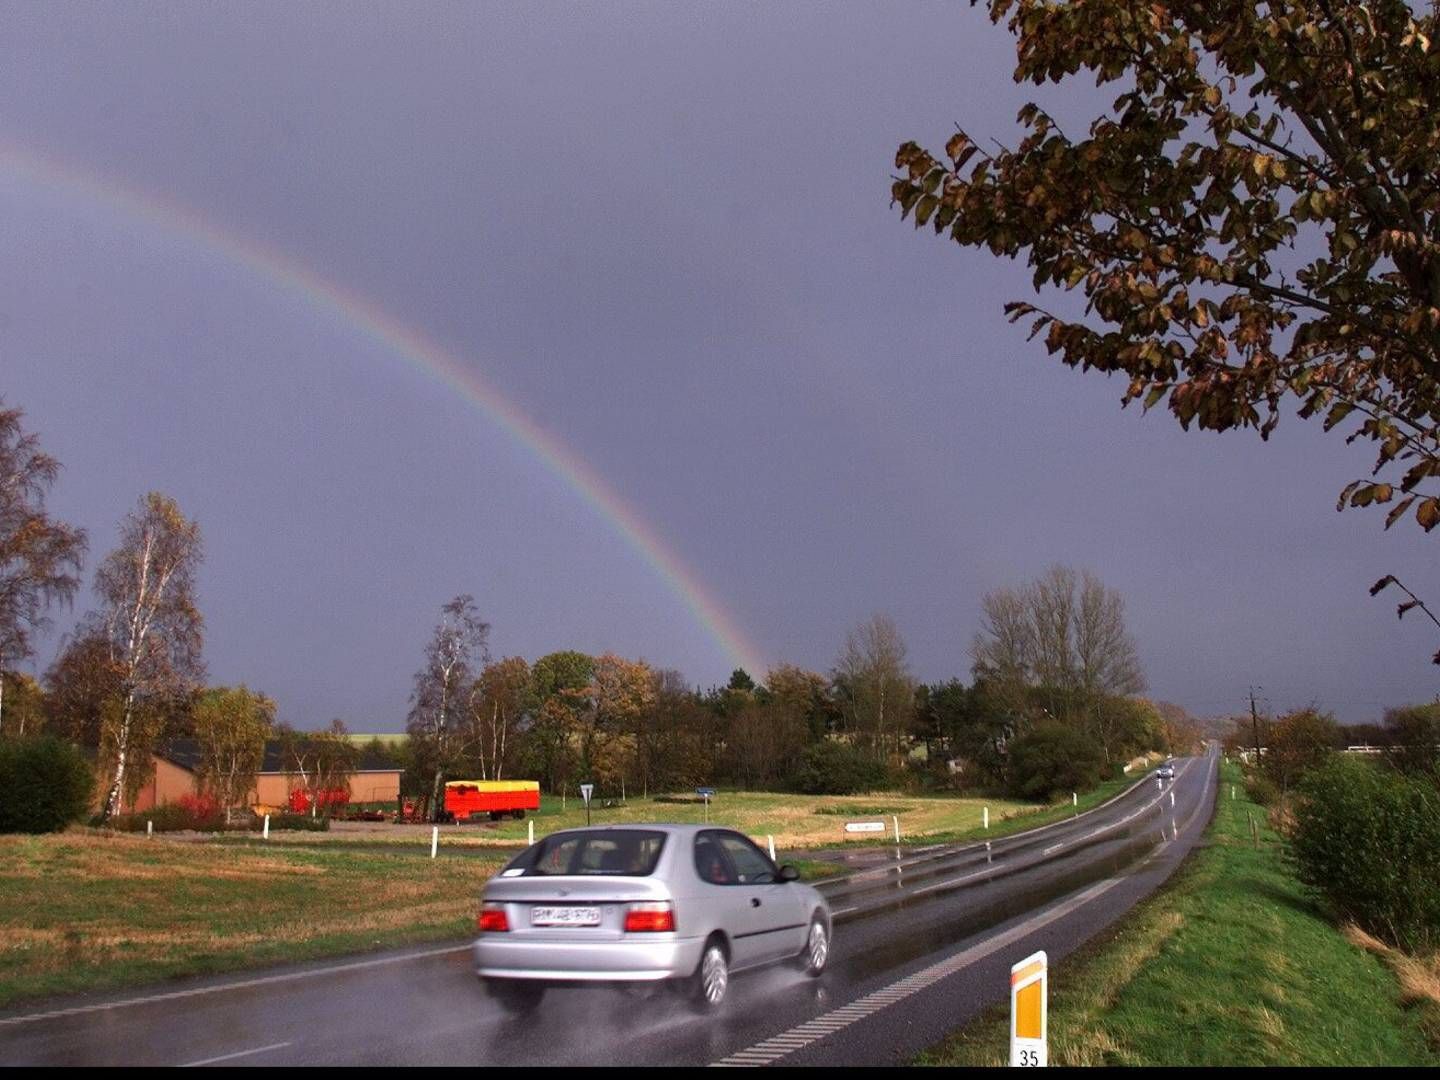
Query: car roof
x=673, y=828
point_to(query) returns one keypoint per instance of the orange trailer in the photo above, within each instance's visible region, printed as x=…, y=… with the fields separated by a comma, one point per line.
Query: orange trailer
x=465, y=799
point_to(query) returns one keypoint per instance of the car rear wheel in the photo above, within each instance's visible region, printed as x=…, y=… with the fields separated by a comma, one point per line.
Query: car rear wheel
x=515, y=996
x=817, y=948
x=707, y=987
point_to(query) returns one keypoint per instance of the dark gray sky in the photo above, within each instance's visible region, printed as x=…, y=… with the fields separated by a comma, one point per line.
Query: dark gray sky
x=663, y=232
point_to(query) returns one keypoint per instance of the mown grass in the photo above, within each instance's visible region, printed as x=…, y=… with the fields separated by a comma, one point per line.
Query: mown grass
x=796, y=822
x=87, y=910
x=1230, y=964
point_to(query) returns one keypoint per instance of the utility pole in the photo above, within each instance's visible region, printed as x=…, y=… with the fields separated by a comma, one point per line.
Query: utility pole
x=1255, y=724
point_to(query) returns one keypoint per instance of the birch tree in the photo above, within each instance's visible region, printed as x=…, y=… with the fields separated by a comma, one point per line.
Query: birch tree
x=40, y=557
x=498, y=700
x=231, y=726
x=458, y=643
x=152, y=629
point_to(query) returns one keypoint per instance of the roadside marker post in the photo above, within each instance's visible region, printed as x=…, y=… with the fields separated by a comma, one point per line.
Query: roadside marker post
x=896, y=819
x=434, y=840
x=771, y=841
x=1029, y=1012
x=987, y=851
x=1075, y=802
x=985, y=817
x=531, y=838
x=1172, y=800
x=586, y=790
x=265, y=833
x=149, y=828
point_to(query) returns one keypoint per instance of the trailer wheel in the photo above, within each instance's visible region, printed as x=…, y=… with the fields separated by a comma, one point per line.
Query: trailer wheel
x=518, y=815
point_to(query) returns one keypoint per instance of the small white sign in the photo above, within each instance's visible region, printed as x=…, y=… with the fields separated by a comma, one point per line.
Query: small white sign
x=864, y=826
x=586, y=790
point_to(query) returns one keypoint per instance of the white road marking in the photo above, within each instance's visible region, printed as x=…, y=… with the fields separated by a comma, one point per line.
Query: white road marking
x=776, y=1047
x=232, y=1057
x=245, y=984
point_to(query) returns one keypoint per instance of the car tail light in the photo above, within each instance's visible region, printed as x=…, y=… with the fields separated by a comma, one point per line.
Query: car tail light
x=492, y=919
x=650, y=918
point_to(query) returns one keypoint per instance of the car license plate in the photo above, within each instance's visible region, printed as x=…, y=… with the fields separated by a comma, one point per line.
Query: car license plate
x=564, y=916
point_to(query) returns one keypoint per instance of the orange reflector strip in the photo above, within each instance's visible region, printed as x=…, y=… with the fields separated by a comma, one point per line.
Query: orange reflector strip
x=1027, y=1011
x=1017, y=977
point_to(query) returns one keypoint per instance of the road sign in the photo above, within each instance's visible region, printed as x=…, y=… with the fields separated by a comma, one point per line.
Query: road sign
x=707, y=792
x=586, y=790
x=1029, y=1015
x=864, y=826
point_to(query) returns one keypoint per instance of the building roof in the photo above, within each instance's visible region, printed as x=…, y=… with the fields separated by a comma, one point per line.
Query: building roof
x=186, y=753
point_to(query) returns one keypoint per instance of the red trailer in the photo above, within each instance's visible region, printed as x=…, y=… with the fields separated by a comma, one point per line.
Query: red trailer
x=466, y=799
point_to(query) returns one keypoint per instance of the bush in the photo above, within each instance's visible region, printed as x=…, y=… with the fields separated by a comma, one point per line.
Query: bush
x=45, y=784
x=1368, y=841
x=834, y=768
x=1262, y=790
x=293, y=822
x=1054, y=759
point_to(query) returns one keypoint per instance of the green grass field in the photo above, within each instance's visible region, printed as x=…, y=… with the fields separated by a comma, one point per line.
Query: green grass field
x=1230, y=964
x=797, y=822
x=87, y=910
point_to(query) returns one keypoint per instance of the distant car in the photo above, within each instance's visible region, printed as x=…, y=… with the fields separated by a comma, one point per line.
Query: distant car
x=681, y=905
x=1166, y=771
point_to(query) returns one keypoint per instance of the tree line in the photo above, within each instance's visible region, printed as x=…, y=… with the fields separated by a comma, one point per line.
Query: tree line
x=1051, y=704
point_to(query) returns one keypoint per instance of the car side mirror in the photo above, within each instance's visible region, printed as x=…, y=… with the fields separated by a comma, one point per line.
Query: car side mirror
x=789, y=873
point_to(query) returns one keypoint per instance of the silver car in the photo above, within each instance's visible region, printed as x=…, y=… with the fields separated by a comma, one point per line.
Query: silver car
x=687, y=905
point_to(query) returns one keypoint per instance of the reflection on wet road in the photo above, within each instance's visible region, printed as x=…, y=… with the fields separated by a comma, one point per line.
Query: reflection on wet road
x=921, y=944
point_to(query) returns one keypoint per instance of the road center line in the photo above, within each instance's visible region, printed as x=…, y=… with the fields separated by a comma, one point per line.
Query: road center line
x=232, y=1057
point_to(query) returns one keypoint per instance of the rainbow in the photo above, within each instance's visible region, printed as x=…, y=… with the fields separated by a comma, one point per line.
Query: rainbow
x=367, y=318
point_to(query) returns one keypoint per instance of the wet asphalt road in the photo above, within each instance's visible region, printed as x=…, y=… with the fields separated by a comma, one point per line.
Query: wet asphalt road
x=922, y=943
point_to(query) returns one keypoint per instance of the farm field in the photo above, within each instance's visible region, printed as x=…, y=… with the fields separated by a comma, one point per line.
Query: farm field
x=87, y=910
x=797, y=822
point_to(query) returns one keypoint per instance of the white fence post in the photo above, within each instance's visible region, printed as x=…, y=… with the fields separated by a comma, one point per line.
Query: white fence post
x=896, y=819
x=771, y=841
x=434, y=839
x=265, y=835
x=532, y=830
x=149, y=828
x=985, y=817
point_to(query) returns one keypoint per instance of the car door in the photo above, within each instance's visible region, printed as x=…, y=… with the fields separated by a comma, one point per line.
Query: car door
x=775, y=926
x=728, y=902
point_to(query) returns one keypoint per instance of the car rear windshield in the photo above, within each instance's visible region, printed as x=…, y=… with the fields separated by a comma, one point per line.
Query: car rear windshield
x=607, y=852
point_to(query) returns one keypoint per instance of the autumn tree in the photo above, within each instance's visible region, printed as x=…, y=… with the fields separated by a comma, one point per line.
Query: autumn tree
x=498, y=701
x=559, y=681
x=82, y=686
x=1299, y=742
x=1255, y=219
x=806, y=694
x=231, y=726
x=152, y=631
x=24, y=703
x=874, y=687
x=40, y=557
x=323, y=760
x=620, y=694
x=438, y=702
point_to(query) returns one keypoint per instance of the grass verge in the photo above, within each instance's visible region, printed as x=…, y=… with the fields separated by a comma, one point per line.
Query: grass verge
x=87, y=910
x=1229, y=964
